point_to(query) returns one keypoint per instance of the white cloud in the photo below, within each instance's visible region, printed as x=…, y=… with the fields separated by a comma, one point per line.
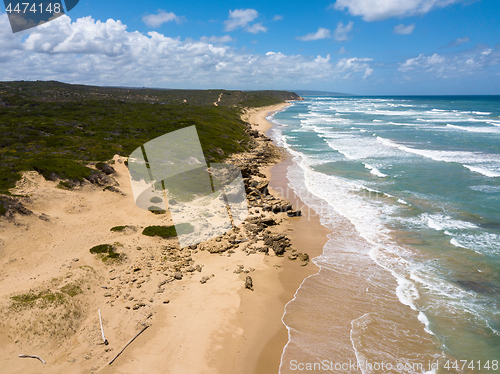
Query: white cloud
x=156, y=20
x=241, y=18
x=376, y=10
x=349, y=66
x=322, y=33
x=256, y=28
x=216, y=39
x=105, y=53
x=277, y=17
x=342, y=51
x=473, y=61
x=341, y=33
x=459, y=41
x=404, y=30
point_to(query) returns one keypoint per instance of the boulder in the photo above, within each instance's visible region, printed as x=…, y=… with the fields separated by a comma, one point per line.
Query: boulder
x=249, y=283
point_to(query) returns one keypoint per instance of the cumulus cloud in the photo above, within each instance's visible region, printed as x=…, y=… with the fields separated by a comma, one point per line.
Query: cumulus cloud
x=322, y=33
x=105, y=53
x=351, y=65
x=341, y=33
x=256, y=28
x=156, y=20
x=242, y=18
x=472, y=61
x=277, y=17
x=376, y=10
x=404, y=30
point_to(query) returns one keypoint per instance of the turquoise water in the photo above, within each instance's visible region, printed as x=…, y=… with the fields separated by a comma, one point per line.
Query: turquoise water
x=419, y=178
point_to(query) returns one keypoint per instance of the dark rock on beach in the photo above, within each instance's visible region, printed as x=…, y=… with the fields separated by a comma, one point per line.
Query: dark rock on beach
x=249, y=283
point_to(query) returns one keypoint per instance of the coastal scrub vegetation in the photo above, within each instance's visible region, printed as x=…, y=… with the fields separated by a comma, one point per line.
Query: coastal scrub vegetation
x=56, y=128
x=105, y=252
x=118, y=228
x=166, y=232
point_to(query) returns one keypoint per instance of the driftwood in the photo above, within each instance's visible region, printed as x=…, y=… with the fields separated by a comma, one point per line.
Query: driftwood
x=131, y=340
x=102, y=330
x=33, y=356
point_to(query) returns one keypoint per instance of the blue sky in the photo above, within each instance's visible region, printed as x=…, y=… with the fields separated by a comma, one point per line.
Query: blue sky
x=355, y=46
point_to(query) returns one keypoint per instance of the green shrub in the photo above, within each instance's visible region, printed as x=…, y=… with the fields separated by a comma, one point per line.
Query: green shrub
x=156, y=200
x=3, y=210
x=106, y=251
x=101, y=248
x=65, y=185
x=158, y=211
x=118, y=228
x=168, y=231
x=100, y=165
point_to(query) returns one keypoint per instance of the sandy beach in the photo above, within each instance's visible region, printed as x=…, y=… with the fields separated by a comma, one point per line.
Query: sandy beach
x=200, y=316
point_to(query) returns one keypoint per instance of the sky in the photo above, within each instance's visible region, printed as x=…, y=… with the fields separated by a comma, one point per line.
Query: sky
x=364, y=47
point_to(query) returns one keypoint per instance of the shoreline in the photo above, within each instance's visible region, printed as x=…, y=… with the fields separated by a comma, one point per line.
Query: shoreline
x=213, y=326
x=301, y=230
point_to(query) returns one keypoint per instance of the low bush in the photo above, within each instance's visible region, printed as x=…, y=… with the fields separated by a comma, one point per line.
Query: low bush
x=101, y=248
x=118, y=228
x=168, y=231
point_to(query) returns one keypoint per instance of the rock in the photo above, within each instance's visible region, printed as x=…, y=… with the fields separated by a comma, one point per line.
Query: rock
x=253, y=228
x=138, y=305
x=178, y=275
x=190, y=269
x=249, y=283
x=107, y=294
x=198, y=268
x=166, y=301
x=294, y=213
x=204, y=280
x=76, y=260
x=303, y=257
x=262, y=249
x=99, y=178
x=268, y=221
x=105, y=168
x=112, y=189
x=44, y=217
x=239, y=269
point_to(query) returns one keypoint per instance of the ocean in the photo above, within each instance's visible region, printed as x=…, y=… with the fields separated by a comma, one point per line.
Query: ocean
x=409, y=280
